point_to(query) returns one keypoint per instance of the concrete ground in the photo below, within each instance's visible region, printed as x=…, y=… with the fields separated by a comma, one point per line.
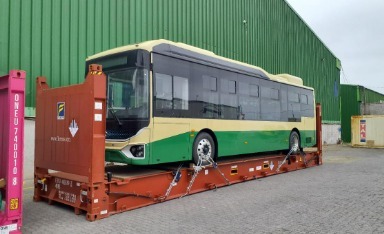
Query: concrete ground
x=344, y=195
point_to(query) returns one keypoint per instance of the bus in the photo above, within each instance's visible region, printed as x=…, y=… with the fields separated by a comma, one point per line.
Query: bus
x=171, y=102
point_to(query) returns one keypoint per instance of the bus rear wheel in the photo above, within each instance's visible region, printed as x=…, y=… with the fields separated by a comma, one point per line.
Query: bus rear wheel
x=294, y=142
x=204, y=149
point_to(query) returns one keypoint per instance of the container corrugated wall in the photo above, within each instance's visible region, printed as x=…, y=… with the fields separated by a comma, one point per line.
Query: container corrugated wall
x=368, y=131
x=53, y=38
x=351, y=97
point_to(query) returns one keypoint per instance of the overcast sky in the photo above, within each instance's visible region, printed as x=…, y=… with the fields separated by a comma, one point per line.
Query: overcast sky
x=354, y=31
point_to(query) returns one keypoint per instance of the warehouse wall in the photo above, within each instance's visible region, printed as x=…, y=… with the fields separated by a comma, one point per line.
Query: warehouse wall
x=355, y=101
x=349, y=107
x=369, y=96
x=372, y=108
x=331, y=134
x=53, y=38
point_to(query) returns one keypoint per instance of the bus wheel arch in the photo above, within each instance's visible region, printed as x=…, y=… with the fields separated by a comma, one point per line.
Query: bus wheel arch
x=205, y=140
x=294, y=139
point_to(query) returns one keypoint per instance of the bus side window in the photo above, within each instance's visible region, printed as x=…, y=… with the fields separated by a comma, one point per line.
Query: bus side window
x=210, y=83
x=270, y=103
x=274, y=94
x=228, y=100
x=249, y=103
x=294, y=112
x=306, y=103
x=293, y=97
x=180, y=93
x=210, y=98
x=253, y=90
x=163, y=91
x=303, y=99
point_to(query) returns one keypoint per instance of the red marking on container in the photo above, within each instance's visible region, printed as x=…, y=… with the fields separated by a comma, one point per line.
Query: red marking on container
x=363, y=130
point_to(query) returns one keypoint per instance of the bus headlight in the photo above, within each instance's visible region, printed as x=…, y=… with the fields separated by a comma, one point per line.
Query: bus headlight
x=137, y=151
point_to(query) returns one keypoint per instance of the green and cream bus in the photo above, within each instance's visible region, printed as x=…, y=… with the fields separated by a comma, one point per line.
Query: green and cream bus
x=170, y=102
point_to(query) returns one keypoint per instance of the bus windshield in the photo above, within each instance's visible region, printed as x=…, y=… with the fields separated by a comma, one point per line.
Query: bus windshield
x=128, y=94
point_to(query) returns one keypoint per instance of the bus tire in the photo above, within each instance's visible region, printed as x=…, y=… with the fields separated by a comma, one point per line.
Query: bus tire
x=294, y=141
x=203, y=147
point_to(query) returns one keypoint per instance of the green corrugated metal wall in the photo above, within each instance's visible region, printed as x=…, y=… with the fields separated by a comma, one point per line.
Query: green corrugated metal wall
x=53, y=37
x=351, y=97
x=369, y=96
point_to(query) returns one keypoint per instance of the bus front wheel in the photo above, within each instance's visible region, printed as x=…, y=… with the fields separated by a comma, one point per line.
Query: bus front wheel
x=294, y=142
x=203, y=149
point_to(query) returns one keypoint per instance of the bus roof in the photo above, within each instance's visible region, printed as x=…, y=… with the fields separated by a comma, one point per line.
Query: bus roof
x=177, y=49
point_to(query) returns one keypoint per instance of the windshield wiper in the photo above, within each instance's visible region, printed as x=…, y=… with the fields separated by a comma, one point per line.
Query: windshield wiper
x=114, y=115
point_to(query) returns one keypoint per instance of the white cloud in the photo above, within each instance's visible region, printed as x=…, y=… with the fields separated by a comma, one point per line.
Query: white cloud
x=354, y=31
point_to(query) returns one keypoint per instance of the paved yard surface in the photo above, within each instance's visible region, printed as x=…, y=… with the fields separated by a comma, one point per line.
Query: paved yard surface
x=344, y=195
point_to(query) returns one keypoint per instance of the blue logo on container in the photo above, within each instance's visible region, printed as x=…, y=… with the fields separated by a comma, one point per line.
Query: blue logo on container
x=60, y=110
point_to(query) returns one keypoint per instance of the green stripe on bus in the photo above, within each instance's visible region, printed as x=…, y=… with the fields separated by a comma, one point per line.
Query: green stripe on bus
x=234, y=143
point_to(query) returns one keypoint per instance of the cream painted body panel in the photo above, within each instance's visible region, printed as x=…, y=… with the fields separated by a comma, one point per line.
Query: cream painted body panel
x=196, y=125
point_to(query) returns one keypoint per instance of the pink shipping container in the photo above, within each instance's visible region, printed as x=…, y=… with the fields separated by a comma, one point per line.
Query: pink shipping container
x=12, y=93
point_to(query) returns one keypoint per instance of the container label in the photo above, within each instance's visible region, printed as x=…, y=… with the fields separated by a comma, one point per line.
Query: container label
x=271, y=165
x=98, y=117
x=60, y=139
x=64, y=184
x=16, y=145
x=14, y=204
x=73, y=128
x=8, y=228
x=60, y=110
x=66, y=196
x=98, y=105
x=363, y=130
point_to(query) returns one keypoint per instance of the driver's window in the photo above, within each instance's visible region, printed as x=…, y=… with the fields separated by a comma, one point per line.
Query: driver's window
x=120, y=94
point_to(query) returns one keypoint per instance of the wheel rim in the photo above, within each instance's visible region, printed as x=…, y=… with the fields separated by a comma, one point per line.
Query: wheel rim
x=204, y=149
x=294, y=141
